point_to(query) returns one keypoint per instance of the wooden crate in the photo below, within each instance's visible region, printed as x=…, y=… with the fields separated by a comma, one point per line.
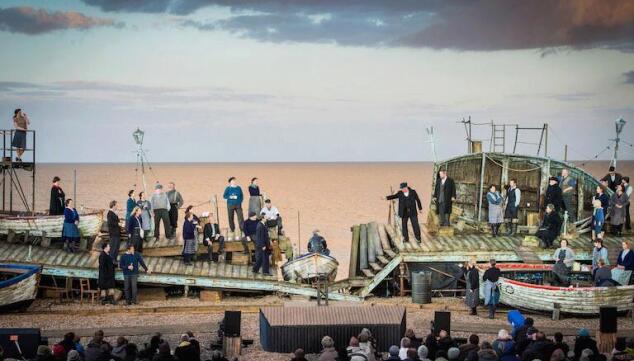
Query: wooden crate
x=210, y=296
x=445, y=231
x=239, y=258
x=532, y=219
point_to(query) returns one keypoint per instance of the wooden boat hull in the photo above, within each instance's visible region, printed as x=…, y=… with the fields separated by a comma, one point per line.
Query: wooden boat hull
x=572, y=300
x=308, y=266
x=17, y=293
x=49, y=226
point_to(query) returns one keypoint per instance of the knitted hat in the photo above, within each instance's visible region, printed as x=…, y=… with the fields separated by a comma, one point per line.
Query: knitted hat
x=43, y=350
x=423, y=351
x=73, y=355
x=158, y=186
x=403, y=185
x=252, y=214
x=453, y=353
x=583, y=332
x=394, y=350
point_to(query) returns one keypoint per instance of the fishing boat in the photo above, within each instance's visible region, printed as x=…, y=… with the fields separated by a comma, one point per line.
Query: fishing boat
x=541, y=297
x=48, y=226
x=310, y=266
x=18, y=286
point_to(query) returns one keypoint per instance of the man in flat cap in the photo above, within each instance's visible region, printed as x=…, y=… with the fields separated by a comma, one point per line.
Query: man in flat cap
x=161, y=207
x=613, y=178
x=408, y=202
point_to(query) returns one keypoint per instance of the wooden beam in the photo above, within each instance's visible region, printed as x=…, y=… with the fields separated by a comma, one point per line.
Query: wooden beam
x=354, y=252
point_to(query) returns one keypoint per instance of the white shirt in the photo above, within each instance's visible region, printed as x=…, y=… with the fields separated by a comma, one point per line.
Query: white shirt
x=270, y=213
x=628, y=191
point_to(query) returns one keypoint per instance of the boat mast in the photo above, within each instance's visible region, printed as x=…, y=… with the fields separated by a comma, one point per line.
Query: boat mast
x=619, y=125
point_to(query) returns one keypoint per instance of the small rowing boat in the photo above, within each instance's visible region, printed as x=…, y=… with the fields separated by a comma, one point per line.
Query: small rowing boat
x=310, y=266
x=542, y=298
x=18, y=286
x=48, y=226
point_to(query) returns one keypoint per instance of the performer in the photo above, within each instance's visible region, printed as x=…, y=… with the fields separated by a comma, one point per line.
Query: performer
x=70, y=231
x=114, y=231
x=272, y=216
x=129, y=264
x=234, y=197
x=161, y=205
x=625, y=260
x=146, y=214
x=604, y=198
x=135, y=229
x=189, y=238
x=129, y=207
x=564, y=258
x=599, y=252
x=613, y=178
x=255, y=197
x=21, y=123
x=444, y=196
x=554, y=195
x=249, y=226
x=407, y=202
x=491, y=290
x=550, y=227
x=176, y=202
x=318, y=244
x=106, y=281
x=598, y=220
x=627, y=188
x=513, y=198
x=262, y=249
x=211, y=234
x=618, y=204
x=568, y=185
x=58, y=199
x=496, y=214
x=472, y=278
x=603, y=275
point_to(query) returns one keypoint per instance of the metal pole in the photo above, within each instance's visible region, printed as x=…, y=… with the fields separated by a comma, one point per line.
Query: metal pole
x=546, y=140
x=299, y=235
x=566, y=153
x=33, y=176
x=484, y=158
x=75, y=186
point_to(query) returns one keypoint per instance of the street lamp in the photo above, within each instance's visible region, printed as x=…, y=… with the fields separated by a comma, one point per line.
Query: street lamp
x=138, y=136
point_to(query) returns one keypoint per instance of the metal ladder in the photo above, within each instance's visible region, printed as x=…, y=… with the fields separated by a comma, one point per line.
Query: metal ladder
x=498, y=138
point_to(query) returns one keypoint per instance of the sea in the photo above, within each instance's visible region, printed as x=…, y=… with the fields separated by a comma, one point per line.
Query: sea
x=331, y=197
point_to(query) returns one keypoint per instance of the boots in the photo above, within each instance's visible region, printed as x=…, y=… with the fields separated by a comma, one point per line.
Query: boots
x=491, y=311
x=474, y=311
x=513, y=229
x=509, y=228
x=104, y=300
x=111, y=300
x=492, y=230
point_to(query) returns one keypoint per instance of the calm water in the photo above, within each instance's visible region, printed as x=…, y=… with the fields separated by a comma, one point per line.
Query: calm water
x=329, y=196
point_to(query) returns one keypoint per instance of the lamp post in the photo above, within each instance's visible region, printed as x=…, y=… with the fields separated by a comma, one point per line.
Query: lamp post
x=140, y=157
x=619, y=125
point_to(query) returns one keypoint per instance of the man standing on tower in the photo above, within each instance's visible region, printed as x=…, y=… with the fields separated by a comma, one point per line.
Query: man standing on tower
x=408, y=201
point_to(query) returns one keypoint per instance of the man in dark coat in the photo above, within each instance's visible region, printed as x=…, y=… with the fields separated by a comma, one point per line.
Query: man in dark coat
x=613, y=178
x=114, y=231
x=444, y=196
x=550, y=227
x=408, y=202
x=262, y=248
x=106, y=275
x=554, y=195
x=541, y=348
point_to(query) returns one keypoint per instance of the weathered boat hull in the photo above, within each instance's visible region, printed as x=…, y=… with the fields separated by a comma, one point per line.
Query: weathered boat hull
x=571, y=300
x=308, y=266
x=17, y=293
x=49, y=226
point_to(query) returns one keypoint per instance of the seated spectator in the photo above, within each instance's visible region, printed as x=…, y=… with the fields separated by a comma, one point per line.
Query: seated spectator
x=328, y=352
x=541, y=348
x=164, y=353
x=185, y=351
x=411, y=355
x=471, y=345
x=195, y=343
x=356, y=352
x=584, y=341
x=299, y=355
x=586, y=355
x=119, y=350
x=423, y=353
x=272, y=216
x=521, y=346
x=73, y=355
x=504, y=346
x=131, y=352
x=558, y=355
x=560, y=344
x=445, y=342
x=44, y=353
x=217, y=356
x=405, y=343
x=453, y=354
x=603, y=275
x=432, y=346
x=619, y=353
x=95, y=350
x=486, y=352
x=152, y=349
x=367, y=341
x=393, y=354
x=520, y=332
x=414, y=341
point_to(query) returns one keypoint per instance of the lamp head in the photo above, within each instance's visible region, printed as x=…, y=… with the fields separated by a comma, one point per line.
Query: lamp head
x=138, y=136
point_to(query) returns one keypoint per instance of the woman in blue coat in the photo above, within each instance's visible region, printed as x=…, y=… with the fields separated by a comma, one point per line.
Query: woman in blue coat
x=626, y=257
x=70, y=231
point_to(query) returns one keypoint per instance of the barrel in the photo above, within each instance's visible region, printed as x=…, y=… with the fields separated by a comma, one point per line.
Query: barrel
x=421, y=287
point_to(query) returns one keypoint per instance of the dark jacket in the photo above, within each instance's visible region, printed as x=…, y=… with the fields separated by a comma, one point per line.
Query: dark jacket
x=106, y=271
x=539, y=349
x=189, y=229
x=554, y=196
x=262, y=236
x=473, y=276
x=131, y=259
x=446, y=343
x=113, y=224
x=465, y=349
x=550, y=227
x=250, y=226
x=407, y=205
x=163, y=357
x=186, y=352
x=492, y=274
x=628, y=262
x=209, y=230
x=133, y=223
x=617, y=180
x=97, y=352
x=582, y=343
x=450, y=192
x=58, y=198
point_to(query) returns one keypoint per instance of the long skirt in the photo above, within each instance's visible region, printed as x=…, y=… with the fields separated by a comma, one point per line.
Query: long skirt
x=255, y=204
x=491, y=293
x=189, y=246
x=496, y=214
x=71, y=235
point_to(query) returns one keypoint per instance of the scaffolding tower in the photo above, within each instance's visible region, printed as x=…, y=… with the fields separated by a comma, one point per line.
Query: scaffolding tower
x=12, y=190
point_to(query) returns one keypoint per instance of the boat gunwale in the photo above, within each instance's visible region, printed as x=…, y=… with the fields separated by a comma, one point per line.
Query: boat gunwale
x=31, y=270
x=9, y=217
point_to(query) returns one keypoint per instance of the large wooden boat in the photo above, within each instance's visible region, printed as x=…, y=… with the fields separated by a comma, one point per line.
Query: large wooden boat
x=474, y=173
x=49, y=226
x=310, y=266
x=542, y=298
x=18, y=286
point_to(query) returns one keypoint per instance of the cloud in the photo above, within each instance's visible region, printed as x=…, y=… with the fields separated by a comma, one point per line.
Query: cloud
x=629, y=77
x=28, y=20
x=481, y=25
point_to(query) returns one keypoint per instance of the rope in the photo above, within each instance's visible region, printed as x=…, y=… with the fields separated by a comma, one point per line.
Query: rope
x=511, y=169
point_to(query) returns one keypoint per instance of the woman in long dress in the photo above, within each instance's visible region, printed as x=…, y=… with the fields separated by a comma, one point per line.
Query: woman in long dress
x=135, y=230
x=146, y=215
x=70, y=231
x=472, y=295
x=255, y=197
x=58, y=199
x=618, y=204
x=496, y=211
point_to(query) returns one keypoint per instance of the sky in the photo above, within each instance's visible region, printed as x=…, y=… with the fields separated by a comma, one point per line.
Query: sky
x=315, y=80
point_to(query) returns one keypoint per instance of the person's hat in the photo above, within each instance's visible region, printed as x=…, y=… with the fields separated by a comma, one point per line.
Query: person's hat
x=252, y=214
x=492, y=261
x=73, y=355
x=394, y=350
x=267, y=201
x=583, y=332
x=403, y=185
x=531, y=330
x=158, y=186
x=315, y=231
x=611, y=169
x=553, y=179
x=453, y=353
x=43, y=350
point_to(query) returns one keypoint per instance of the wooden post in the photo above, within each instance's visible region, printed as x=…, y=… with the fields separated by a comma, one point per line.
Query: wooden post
x=484, y=162
x=232, y=346
x=566, y=153
x=556, y=311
